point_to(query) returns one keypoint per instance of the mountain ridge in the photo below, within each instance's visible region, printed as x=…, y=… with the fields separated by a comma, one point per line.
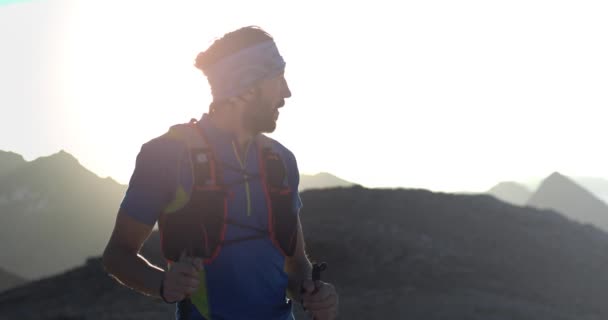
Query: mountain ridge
x=511, y=192
x=9, y=161
x=9, y=280
x=396, y=253
x=322, y=180
x=54, y=200
x=564, y=195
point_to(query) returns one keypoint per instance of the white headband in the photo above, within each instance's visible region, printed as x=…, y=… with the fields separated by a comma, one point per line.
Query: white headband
x=236, y=73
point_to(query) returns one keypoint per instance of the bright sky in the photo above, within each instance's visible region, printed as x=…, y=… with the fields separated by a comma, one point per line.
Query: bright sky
x=444, y=95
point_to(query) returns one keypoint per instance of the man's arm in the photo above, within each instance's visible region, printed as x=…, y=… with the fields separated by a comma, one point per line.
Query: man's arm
x=121, y=257
x=298, y=267
x=320, y=298
x=122, y=260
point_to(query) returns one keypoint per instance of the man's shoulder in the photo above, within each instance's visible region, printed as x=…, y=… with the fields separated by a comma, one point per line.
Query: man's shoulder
x=164, y=145
x=278, y=147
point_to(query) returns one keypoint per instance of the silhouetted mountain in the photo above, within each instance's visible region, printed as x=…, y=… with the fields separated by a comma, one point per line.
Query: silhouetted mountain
x=511, y=192
x=9, y=280
x=422, y=255
x=9, y=161
x=322, y=180
x=56, y=202
x=562, y=194
x=396, y=254
x=54, y=214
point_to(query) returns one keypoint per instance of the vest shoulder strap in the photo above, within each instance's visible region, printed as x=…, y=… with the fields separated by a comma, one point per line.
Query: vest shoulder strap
x=202, y=159
x=275, y=168
x=187, y=133
x=264, y=141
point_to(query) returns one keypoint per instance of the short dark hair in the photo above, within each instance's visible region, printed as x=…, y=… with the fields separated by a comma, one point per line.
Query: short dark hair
x=230, y=43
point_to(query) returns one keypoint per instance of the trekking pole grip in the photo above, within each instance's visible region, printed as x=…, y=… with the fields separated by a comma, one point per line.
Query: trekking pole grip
x=317, y=268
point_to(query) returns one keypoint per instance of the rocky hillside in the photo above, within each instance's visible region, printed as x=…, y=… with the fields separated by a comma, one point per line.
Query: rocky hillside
x=397, y=254
x=9, y=280
x=54, y=213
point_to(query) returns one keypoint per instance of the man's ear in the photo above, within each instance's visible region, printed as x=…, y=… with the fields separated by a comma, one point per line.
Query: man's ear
x=249, y=95
x=243, y=98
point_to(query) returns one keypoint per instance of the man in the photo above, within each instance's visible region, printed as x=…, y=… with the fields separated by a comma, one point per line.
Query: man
x=225, y=197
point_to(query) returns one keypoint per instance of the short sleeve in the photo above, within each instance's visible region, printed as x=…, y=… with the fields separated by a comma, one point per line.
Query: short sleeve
x=150, y=188
x=294, y=181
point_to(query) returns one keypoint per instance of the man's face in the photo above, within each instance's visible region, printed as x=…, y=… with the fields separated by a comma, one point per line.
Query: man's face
x=263, y=111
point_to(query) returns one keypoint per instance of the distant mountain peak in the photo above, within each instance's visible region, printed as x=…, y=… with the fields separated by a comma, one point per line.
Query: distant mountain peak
x=9, y=161
x=558, y=181
x=11, y=155
x=511, y=184
x=59, y=158
x=511, y=192
x=62, y=154
x=57, y=201
x=556, y=175
x=324, y=174
x=322, y=180
x=563, y=194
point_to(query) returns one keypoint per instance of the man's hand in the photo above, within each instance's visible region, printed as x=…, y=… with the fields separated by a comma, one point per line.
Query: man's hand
x=182, y=279
x=320, y=299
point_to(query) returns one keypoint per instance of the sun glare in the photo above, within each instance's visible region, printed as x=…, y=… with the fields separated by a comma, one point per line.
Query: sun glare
x=441, y=95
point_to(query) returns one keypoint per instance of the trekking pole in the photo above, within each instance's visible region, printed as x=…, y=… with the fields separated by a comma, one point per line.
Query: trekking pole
x=185, y=305
x=317, y=268
x=184, y=308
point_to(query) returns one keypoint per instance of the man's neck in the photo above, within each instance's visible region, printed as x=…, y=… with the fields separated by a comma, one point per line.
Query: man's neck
x=232, y=125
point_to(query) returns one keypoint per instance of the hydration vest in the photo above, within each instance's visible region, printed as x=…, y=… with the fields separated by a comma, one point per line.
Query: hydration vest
x=197, y=222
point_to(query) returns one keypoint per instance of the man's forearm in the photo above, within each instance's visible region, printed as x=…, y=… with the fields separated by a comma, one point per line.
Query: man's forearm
x=134, y=271
x=298, y=272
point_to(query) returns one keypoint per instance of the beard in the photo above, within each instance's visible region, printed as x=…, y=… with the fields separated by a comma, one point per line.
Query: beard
x=259, y=116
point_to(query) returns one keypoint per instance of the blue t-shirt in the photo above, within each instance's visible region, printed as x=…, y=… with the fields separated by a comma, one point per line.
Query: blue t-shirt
x=247, y=279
